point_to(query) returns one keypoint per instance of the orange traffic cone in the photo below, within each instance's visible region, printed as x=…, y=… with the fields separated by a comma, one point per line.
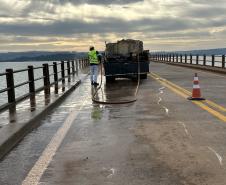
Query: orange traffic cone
x=196, y=92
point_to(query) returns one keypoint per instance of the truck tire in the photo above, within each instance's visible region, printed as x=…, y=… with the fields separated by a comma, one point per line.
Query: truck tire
x=143, y=76
x=110, y=79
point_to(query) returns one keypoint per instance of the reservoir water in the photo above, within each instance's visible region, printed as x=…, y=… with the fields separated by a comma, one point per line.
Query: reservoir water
x=21, y=77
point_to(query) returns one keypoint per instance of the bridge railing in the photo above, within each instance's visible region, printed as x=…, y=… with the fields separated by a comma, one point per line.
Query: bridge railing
x=204, y=60
x=61, y=71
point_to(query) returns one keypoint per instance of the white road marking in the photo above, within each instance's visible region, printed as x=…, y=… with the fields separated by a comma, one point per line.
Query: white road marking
x=185, y=129
x=161, y=90
x=167, y=110
x=218, y=155
x=160, y=99
x=44, y=160
x=112, y=173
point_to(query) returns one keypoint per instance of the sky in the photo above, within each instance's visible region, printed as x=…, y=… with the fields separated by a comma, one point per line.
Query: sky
x=74, y=25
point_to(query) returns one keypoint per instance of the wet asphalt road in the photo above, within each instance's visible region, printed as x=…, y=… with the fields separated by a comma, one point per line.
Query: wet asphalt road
x=162, y=139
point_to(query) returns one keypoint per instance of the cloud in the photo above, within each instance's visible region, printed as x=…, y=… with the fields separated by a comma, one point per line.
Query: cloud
x=99, y=2
x=158, y=22
x=105, y=25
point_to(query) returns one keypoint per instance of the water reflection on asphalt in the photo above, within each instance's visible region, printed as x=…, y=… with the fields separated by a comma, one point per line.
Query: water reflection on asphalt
x=30, y=107
x=19, y=161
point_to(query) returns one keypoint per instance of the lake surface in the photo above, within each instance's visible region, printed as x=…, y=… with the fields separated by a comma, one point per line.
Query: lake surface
x=21, y=77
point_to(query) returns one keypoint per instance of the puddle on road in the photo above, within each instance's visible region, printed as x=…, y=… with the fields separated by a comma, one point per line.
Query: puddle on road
x=120, y=91
x=96, y=112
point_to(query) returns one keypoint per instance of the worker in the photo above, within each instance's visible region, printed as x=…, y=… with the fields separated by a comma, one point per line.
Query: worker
x=94, y=62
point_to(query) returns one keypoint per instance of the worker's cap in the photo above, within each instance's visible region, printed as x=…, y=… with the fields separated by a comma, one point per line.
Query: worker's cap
x=91, y=47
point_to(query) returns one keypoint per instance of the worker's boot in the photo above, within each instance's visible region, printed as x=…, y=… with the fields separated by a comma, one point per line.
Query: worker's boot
x=95, y=83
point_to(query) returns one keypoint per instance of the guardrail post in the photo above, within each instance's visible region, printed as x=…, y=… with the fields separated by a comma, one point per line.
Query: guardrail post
x=173, y=58
x=76, y=66
x=223, y=61
x=213, y=60
x=204, y=60
x=79, y=63
x=46, y=75
x=55, y=72
x=185, y=58
x=69, y=71
x=68, y=68
x=170, y=57
x=62, y=72
x=181, y=58
x=73, y=67
x=197, y=59
x=177, y=58
x=10, y=85
x=190, y=58
x=31, y=79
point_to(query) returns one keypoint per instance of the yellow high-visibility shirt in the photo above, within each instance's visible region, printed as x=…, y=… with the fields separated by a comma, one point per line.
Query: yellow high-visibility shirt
x=93, y=57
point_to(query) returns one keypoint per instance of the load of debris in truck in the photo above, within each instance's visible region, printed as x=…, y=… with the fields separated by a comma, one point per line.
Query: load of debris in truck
x=126, y=50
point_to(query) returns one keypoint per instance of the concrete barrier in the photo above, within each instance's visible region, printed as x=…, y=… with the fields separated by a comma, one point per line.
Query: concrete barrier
x=200, y=67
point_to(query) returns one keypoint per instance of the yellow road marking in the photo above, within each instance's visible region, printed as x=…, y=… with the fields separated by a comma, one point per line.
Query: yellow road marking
x=213, y=112
x=185, y=95
x=216, y=105
x=211, y=103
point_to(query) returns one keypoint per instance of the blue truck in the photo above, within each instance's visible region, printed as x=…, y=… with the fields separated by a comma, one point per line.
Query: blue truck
x=126, y=59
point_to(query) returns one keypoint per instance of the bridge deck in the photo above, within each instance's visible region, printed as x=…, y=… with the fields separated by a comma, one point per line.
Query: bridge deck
x=161, y=139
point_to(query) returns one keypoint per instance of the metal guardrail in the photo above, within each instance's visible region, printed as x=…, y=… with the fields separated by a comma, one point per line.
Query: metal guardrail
x=204, y=60
x=72, y=67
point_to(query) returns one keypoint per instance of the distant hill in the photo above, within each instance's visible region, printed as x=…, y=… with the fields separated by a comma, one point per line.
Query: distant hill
x=40, y=56
x=218, y=51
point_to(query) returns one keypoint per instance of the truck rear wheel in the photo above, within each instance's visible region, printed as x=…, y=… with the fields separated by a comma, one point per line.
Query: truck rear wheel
x=110, y=79
x=143, y=76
